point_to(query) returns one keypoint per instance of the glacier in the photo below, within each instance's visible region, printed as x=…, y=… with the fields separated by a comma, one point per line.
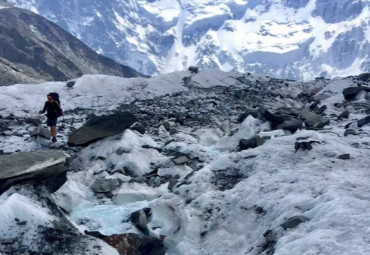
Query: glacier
x=224, y=200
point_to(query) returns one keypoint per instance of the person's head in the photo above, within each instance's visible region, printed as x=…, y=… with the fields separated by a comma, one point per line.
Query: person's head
x=50, y=98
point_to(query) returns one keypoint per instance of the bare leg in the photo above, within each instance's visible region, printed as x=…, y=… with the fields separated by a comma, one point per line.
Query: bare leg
x=53, y=130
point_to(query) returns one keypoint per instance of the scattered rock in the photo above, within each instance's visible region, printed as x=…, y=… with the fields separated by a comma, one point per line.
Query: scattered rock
x=139, y=128
x=322, y=109
x=33, y=121
x=193, y=69
x=102, y=185
x=363, y=121
x=254, y=142
x=25, y=166
x=101, y=127
x=314, y=104
x=294, y=222
x=167, y=126
x=70, y=84
x=181, y=160
x=245, y=114
x=350, y=132
x=304, y=146
x=344, y=115
x=292, y=125
x=344, y=156
x=129, y=244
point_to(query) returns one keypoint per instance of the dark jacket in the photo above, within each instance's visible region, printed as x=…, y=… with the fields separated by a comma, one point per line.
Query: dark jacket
x=52, y=110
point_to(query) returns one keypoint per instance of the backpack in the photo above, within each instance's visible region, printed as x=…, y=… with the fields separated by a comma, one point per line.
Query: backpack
x=55, y=96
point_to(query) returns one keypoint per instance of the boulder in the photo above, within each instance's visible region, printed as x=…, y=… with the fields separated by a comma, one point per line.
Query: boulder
x=102, y=185
x=351, y=93
x=363, y=121
x=181, y=160
x=344, y=115
x=246, y=113
x=101, y=127
x=141, y=218
x=129, y=244
x=304, y=146
x=312, y=120
x=33, y=121
x=245, y=144
x=364, y=77
x=41, y=132
x=193, y=69
x=344, y=156
x=322, y=109
x=292, y=125
x=350, y=132
x=25, y=166
x=294, y=222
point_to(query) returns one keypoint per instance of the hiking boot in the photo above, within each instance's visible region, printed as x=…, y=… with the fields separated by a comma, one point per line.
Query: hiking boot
x=54, y=139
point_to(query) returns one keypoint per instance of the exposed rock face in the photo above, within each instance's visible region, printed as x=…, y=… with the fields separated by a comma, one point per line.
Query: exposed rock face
x=23, y=166
x=129, y=244
x=100, y=127
x=34, y=49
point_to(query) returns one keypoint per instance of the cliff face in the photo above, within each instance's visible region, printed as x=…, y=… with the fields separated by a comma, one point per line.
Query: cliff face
x=34, y=49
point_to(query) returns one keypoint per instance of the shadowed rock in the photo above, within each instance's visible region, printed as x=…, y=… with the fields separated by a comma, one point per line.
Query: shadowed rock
x=24, y=166
x=129, y=244
x=101, y=127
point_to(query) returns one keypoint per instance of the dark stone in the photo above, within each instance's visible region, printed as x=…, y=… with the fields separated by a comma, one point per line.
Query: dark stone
x=363, y=121
x=70, y=84
x=127, y=244
x=101, y=127
x=102, y=185
x=139, y=128
x=245, y=114
x=193, y=69
x=294, y=222
x=167, y=126
x=304, y=146
x=245, y=144
x=275, y=119
x=364, y=77
x=292, y=125
x=314, y=104
x=15, y=168
x=140, y=218
x=33, y=121
x=344, y=115
x=351, y=93
x=344, y=156
x=350, y=132
x=322, y=109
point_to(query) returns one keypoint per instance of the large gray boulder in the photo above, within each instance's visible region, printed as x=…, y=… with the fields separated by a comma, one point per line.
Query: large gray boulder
x=23, y=166
x=101, y=127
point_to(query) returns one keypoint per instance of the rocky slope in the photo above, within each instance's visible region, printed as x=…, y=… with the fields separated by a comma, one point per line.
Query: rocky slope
x=34, y=49
x=216, y=163
x=282, y=38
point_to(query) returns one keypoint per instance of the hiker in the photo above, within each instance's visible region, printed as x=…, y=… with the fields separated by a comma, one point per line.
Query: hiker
x=53, y=111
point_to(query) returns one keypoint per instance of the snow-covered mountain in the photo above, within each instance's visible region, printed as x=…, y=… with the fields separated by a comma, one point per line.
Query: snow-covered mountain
x=298, y=39
x=224, y=163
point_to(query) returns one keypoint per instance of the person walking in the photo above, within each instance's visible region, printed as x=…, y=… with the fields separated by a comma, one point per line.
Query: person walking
x=53, y=111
